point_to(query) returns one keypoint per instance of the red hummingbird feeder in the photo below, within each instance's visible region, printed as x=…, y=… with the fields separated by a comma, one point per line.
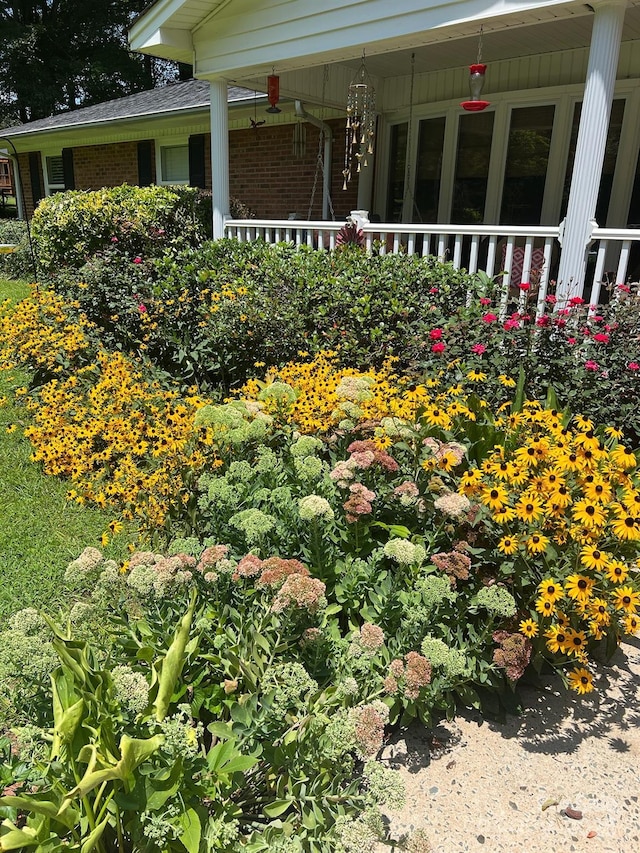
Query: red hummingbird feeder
x=476, y=84
x=273, y=93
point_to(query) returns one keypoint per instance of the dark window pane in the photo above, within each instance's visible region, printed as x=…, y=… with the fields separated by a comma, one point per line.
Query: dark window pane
x=397, y=165
x=475, y=133
x=608, y=167
x=428, y=170
x=526, y=167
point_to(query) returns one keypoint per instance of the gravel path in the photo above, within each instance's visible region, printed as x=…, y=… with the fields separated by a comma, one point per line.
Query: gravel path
x=503, y=787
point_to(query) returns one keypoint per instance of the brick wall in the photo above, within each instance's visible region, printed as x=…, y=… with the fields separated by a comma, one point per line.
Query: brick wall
x=264, y=174
x=25, y=174
x=97, y=166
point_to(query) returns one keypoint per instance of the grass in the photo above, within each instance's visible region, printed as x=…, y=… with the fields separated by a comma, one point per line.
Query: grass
x=40, y=531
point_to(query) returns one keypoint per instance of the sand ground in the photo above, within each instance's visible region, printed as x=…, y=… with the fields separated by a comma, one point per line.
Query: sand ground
x=503, y=787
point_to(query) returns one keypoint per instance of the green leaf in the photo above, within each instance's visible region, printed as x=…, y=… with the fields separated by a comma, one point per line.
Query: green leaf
x=171, y=665
x=94, y=836
x=277, y=807
x=191, y=830
x=38, y=804
x=16, y=839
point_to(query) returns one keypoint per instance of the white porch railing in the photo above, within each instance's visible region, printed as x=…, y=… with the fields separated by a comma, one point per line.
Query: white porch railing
x=517, y=254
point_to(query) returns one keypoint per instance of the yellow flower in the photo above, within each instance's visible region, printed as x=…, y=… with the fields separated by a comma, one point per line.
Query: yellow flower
x=575, y=642
x=625, y=526
x=593, y=558
x=581, y=680
x=503, y=515
x=104, y=539
x=116, y=526
x=529, y=628
x=626, y=598
x=599, y=611
x=494, y=497
x=556, y=639
x=507, y=381
x=550, y=590
x=476, y=376
x=545, y=607
x=529, y=508
x=579, y=587
x=631, y=624
x=508, y=545
x=589, y=513
x=536, y=543
x=617, y=572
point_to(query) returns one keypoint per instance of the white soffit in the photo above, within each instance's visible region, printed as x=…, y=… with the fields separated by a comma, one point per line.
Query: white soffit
x=240, y=38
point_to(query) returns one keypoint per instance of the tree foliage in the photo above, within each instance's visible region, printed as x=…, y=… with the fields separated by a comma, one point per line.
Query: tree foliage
x=63, y=54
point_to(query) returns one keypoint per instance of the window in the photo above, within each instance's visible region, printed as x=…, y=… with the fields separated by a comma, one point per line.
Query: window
x=526, y=168
x=475, y=133
x=174, y=164
x=397, y=166
x=428, y=170
x=609, y=165
x=55, y=174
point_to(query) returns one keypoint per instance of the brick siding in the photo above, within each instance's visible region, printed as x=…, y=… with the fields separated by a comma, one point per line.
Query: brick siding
x=97, y=166
x=263, y=173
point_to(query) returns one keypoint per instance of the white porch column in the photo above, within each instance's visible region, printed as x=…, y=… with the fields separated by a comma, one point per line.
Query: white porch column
x=219, y=156
x=590, y=146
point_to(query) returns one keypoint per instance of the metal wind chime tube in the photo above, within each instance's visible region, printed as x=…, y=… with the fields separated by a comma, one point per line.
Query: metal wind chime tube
x=361, y=123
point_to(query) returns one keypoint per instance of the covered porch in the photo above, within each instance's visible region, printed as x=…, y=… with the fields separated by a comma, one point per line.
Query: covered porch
x=542, y=185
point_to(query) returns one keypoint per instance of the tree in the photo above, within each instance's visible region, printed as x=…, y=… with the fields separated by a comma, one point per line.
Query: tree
x=59, y=55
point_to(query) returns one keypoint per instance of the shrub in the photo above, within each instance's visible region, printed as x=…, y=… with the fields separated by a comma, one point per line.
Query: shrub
x=69, y=228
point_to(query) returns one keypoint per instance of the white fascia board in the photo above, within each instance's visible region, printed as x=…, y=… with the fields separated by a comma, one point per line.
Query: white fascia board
x=296, y=34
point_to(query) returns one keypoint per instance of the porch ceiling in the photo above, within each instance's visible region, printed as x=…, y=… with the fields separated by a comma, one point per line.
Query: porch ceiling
x=531, y=34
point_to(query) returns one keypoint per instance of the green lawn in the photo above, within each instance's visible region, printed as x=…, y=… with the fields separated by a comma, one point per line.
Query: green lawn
x=40, y=531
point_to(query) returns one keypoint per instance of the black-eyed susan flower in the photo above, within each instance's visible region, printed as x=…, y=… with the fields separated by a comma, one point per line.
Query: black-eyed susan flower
x=529, y=508
x=599, y=611
x=581, y=680
x=575, y=642
x=536, y=542
x=551, y=590
x=625, y=526
x=623, y=458
x=503, y=515
x=495, y=497
x=631, y=624
x=617, y=572
x=588, y=513
x=508, y=545
x=592, y=557
x=529, y=627
x=626, y=598
x=545, y=607
x=579, y=587
x=556, y=639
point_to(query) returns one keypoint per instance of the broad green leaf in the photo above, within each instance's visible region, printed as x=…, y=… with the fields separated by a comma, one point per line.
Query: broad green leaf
x=171, y=666
x=38, y=804
x=277, y=807
x=191, y=830
x=16, y=839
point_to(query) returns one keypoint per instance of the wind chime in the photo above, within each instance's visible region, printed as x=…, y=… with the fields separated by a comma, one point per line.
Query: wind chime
x=476, y=83
x=361, y=121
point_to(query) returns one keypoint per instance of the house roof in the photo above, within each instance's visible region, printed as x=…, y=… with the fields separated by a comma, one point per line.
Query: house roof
x=173, y=98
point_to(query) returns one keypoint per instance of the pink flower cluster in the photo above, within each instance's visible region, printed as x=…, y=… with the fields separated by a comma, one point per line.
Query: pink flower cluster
x=301, y=592
x=454, y=564
x=513, y=654
x=414, y=672
x=359, y=503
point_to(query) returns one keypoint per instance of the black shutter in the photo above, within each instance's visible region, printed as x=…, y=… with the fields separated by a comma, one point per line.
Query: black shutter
x=34, y=173
x=145, y=162
x=67, y=169
x=196, y=161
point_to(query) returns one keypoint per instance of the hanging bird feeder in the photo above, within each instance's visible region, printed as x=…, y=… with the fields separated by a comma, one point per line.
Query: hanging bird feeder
x=273, y=93
x=476, y=83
